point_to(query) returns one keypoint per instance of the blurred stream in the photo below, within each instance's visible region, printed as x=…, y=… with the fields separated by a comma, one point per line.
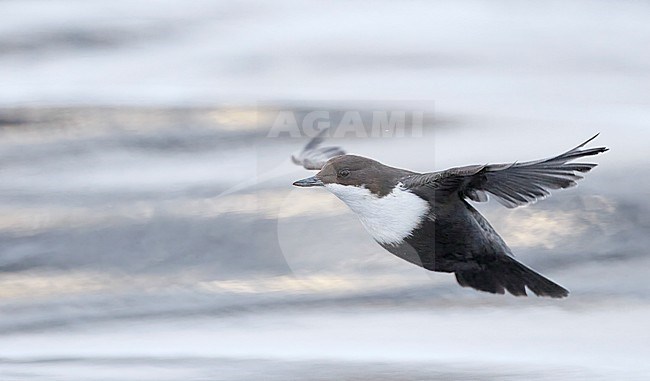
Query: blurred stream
x=149, y=231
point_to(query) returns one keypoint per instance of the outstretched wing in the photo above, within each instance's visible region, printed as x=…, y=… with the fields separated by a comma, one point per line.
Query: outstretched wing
x=512, y=184
x=313, y=156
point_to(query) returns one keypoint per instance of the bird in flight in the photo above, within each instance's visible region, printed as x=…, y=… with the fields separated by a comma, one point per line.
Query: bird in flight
x=426, y=219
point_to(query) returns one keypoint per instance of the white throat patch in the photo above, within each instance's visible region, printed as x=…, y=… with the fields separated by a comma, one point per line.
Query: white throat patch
x=388, y=219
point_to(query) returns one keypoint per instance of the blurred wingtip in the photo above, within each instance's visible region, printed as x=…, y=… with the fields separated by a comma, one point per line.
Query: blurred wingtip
x=312, y=156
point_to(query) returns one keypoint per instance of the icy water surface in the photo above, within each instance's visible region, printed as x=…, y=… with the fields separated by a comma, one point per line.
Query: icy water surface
x=127, y=254
x=149, y=231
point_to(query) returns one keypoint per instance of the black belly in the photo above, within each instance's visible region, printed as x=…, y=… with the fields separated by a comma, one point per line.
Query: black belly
x=457, y=239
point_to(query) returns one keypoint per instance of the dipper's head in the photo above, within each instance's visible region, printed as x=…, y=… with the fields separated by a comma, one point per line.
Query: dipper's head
x=355, y=171
x=372, y=190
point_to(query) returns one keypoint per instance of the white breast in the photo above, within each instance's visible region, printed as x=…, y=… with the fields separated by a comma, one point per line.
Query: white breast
x=388, y=219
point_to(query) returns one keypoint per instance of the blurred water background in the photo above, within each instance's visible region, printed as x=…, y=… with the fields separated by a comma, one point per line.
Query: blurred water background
x=149, y=231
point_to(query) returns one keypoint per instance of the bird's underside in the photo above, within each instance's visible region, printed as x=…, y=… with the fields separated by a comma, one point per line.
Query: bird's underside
x=455, y=237
x=464, y=243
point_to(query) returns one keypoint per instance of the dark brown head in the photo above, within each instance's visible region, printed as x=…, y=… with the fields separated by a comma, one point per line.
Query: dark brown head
x=356, y=171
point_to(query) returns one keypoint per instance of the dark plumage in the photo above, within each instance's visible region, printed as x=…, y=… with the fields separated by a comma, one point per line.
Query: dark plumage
x=512, y=184
x=442, y=231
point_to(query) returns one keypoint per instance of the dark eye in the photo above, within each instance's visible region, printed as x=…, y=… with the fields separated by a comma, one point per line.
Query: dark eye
x=344, y=173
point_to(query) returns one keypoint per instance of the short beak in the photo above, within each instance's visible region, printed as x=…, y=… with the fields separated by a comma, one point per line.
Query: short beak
x=309, y=182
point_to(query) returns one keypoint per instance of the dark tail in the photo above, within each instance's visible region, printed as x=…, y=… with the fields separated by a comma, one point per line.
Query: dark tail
x=508, y=274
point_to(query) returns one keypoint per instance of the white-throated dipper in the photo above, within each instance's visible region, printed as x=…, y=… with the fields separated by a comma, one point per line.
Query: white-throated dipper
x=425, y=218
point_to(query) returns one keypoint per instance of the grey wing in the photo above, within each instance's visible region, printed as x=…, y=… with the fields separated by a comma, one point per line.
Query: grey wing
x=313, y=156
x=512, y=184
